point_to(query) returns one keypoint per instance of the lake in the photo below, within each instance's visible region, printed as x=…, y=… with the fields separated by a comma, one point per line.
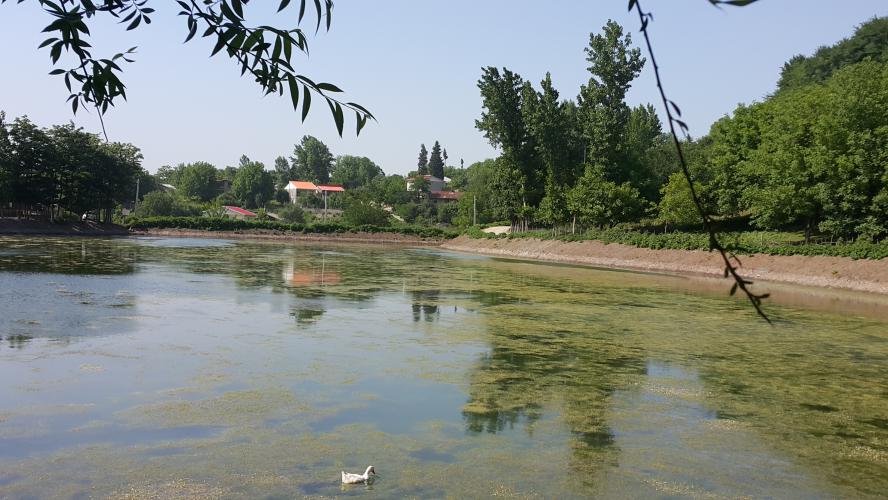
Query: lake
x=207, y=368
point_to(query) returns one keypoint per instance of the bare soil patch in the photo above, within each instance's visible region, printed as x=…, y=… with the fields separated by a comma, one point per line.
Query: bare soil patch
x=819, y=271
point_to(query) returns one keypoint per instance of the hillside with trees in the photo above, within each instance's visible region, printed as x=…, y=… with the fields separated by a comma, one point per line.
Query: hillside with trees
x=811, y=157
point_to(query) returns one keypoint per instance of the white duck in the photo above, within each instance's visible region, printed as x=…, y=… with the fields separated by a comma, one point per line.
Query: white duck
x=349, y=478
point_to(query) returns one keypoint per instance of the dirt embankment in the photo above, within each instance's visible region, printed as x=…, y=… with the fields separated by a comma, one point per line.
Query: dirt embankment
x=830, y=272
x=262, y=234
x=45, y=228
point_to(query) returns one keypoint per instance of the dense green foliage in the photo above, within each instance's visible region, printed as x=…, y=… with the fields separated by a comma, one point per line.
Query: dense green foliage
x=436, y=162
x=311, y=161
x=353, y=172
x=741, y=243
x=814, y=156
x=224, y=224
x=422, y=162
x=253, y=186
x=359, y=212
x=64, y=168
x=869, y=43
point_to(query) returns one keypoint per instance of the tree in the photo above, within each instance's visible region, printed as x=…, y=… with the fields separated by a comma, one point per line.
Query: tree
x=355, y=171
x=436, y=164
x=422, y=165
x=360, y=211
x=596, y=201
x=197, y=180
x=312, y=160
x=283, y=174
x=390, y=190
x=505, y=100
x=265, y=52
x=550, y=127
x=869, y=42
x=643, y=132
x=604, y=114
x=676, y=206
x=253, y=186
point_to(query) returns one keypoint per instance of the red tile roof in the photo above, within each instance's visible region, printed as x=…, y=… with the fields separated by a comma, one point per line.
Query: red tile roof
x=240, y=210
x=446, y=195
x=334, y=188
x=304, y=185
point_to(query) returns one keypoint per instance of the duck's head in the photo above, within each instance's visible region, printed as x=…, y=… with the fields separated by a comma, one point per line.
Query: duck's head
x=370, y=470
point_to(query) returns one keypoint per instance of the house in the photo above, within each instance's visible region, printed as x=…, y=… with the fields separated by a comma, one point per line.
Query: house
x=293, y=188
x=238, y=213
x=223, y=186
x=329, y=188
x=445, y=196
x=438, y=192
x=435, y=184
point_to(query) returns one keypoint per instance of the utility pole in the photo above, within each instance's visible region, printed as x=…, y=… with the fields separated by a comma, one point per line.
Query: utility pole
x=136, y=203
x=474, y=210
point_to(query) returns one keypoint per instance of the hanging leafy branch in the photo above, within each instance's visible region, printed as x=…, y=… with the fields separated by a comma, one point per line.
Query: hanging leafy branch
x=673, y=116
x=265, y=52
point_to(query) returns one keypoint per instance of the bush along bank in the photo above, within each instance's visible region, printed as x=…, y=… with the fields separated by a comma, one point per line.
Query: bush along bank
x=224, y=224
x=741, y=243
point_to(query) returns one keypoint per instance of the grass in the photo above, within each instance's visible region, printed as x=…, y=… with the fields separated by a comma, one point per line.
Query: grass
x=740, y=242
x=224, y=224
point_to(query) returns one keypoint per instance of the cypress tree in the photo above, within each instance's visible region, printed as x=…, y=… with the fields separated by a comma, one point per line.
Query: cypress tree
x=423, y=164
x=436, y=163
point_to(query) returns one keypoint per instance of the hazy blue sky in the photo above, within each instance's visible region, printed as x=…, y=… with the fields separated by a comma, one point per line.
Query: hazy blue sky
x=415, y=64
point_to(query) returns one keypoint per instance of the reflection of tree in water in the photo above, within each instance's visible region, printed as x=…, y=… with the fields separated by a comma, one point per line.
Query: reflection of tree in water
x=532, y=365
x=17, y=341
x=425, y=305
x=86, y=256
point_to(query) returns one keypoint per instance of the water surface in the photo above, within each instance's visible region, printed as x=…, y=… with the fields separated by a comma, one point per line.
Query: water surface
x=209, y=368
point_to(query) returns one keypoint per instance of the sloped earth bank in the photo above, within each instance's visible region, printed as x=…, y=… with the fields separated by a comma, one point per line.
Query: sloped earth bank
x=830, y=272
x=46, y=228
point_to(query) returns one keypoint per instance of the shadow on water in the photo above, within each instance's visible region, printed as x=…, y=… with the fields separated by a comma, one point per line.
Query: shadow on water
x=456, y=369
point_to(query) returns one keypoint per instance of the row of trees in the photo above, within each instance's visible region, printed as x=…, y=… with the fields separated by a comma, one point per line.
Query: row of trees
x=813, y=155
x=433, y=165
x=63, y=169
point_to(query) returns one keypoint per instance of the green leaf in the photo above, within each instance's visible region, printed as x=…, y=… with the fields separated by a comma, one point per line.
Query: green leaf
x=306, y=102
x=329, y=87
x=134, y=24
x=294, y=91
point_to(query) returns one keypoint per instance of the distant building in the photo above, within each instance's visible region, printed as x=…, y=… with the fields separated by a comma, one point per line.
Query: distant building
x=223, y=186
x=293, y=187
x=238, y=213
x=445, y=196
x=438, y=192
x=435, y=184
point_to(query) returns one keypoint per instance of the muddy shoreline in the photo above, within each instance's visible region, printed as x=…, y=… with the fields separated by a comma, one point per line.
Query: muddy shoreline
x=870, y=276
x=818, y=271
x=269, y=235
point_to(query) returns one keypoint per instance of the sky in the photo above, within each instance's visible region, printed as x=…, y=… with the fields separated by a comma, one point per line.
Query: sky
x=415, y=64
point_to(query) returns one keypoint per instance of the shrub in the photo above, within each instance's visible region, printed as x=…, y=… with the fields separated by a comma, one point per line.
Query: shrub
x=225, y=224
x=291, y=213
x=361, y=212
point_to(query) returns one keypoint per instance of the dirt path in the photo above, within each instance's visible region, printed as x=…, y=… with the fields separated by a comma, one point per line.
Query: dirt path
x=828, y=272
